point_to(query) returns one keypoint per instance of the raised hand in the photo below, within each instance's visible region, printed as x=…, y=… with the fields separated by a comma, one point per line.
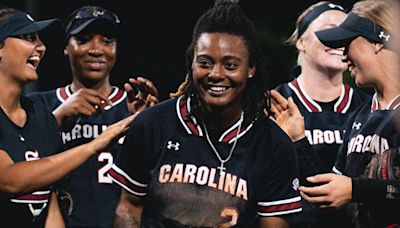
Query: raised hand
x=138, y=100
x=287, y=115
x=83, y=102
x=111, y=134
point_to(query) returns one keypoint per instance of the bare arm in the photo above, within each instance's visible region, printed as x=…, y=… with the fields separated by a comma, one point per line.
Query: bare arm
x=24, y=177
x=54, y=218
x=273, y=222
x=129, y=211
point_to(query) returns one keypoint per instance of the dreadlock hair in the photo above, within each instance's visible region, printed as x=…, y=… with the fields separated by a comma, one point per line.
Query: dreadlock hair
x=227, y=17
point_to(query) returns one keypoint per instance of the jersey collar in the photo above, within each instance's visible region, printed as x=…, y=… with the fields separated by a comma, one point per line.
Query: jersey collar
x=341, y=105
x=192, y=126
x=393, y=105
x=117, y=95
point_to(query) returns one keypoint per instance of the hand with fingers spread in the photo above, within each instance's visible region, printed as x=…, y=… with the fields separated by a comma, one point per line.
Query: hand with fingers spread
x=112, y=134
x=140, y=99
x=83, y=102
x=287, y=115
x=335, y=190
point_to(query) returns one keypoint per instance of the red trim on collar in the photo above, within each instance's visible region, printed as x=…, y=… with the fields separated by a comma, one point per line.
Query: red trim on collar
x=346, y=99
x=117, y=96
x=185, y=116
x=395, y=104
x=303, y=97
x=63, y=93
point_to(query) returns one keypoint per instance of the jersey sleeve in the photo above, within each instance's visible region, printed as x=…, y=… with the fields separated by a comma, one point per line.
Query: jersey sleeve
x=131, y=169
x=279, y=189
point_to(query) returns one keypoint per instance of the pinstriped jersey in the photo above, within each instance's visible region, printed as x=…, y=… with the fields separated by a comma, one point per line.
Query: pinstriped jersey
x=88, y=197
x=38, y=138
x=167, y=159
x=324, y=128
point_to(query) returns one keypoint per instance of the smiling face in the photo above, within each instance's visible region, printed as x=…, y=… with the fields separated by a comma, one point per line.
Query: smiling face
x=361, y=60
x=313, y=51
x=91, y=56
x=220, y=70
x=20, y=56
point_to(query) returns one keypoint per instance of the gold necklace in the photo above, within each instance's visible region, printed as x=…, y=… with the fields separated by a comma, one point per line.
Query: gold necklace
x=223, y=161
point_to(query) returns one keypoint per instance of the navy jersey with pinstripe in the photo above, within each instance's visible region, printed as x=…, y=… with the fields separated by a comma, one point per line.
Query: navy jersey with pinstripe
x=370, y=131
x=324, y=128
x=167, y=159
x=88, y=196
x=38, y=138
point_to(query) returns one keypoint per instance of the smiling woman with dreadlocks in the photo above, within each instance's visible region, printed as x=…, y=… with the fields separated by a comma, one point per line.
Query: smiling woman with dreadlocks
x=210, y=158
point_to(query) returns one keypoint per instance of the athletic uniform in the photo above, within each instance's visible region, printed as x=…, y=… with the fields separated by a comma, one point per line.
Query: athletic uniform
x=38, y=138
x=88, y=197
x=324, y=129
x=324, y=123
x=167, y=159
x=371, y=131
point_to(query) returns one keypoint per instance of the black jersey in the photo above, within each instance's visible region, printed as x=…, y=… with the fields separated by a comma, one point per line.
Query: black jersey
x=324, y=128
x=167, y=159
x=38, y=138
x=370, y=131
x=88, y=197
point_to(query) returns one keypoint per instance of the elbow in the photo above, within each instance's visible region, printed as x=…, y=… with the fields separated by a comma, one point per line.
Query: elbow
x=13, y=188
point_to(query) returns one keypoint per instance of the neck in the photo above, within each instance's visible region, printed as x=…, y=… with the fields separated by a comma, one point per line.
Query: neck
x=387, y=86
x=222, y=118
x=10, y=94
x=328, y=83
x=104, y=87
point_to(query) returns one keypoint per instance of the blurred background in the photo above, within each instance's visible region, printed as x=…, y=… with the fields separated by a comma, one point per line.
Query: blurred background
x=156, y=33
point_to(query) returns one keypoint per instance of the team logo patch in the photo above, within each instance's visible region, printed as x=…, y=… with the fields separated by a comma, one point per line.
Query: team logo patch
x=173, y=145
x=296, y=184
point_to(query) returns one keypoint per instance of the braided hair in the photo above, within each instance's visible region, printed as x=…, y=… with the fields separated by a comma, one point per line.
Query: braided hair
x=227, y=17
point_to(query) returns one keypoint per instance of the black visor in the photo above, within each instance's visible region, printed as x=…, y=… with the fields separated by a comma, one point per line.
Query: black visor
x=21, y=23
x=353, y=27
x=86, y=16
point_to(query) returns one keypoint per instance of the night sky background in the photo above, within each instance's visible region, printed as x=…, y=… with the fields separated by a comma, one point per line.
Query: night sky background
x=156, y=33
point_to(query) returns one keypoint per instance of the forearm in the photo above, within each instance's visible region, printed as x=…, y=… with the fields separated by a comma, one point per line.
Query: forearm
x=309, y=162
x=128, y=212
x=54, y=218
x=24, y=177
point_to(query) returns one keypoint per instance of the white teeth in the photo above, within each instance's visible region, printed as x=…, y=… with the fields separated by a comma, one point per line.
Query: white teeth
x=34, y=58
x=335, y=52
x=217, y=88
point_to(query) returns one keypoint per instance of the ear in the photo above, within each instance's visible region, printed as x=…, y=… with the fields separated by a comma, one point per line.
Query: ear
x=300, y=44
x=252, y=71
x=378, y=47
x=65, y=51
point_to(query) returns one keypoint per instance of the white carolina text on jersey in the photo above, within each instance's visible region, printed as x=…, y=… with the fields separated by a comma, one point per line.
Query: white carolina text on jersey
x=203, y=175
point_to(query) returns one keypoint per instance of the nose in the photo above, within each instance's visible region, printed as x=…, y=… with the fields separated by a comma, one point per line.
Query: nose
x=95, y=48
x=40, y=47
x=216, y=74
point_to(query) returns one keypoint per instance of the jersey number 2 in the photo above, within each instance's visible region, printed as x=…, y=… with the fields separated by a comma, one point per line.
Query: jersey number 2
x=107, y=159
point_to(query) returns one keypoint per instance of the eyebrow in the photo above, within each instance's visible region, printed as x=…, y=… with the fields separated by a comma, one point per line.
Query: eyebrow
x=227, y=57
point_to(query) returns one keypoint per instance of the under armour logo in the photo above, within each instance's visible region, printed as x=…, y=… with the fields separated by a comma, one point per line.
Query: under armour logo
x=383, y=35
x=97, y=13
x=356, y=125
x=171, y=145
x=334, y=6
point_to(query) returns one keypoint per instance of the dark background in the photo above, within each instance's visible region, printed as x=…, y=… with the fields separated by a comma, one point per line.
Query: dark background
x=156, y=33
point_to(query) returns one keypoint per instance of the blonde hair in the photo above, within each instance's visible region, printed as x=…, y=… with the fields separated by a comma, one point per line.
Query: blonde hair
x=292, y=40
x=384, y=13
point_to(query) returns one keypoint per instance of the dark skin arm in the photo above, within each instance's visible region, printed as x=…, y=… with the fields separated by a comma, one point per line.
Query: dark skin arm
x=129, y=211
